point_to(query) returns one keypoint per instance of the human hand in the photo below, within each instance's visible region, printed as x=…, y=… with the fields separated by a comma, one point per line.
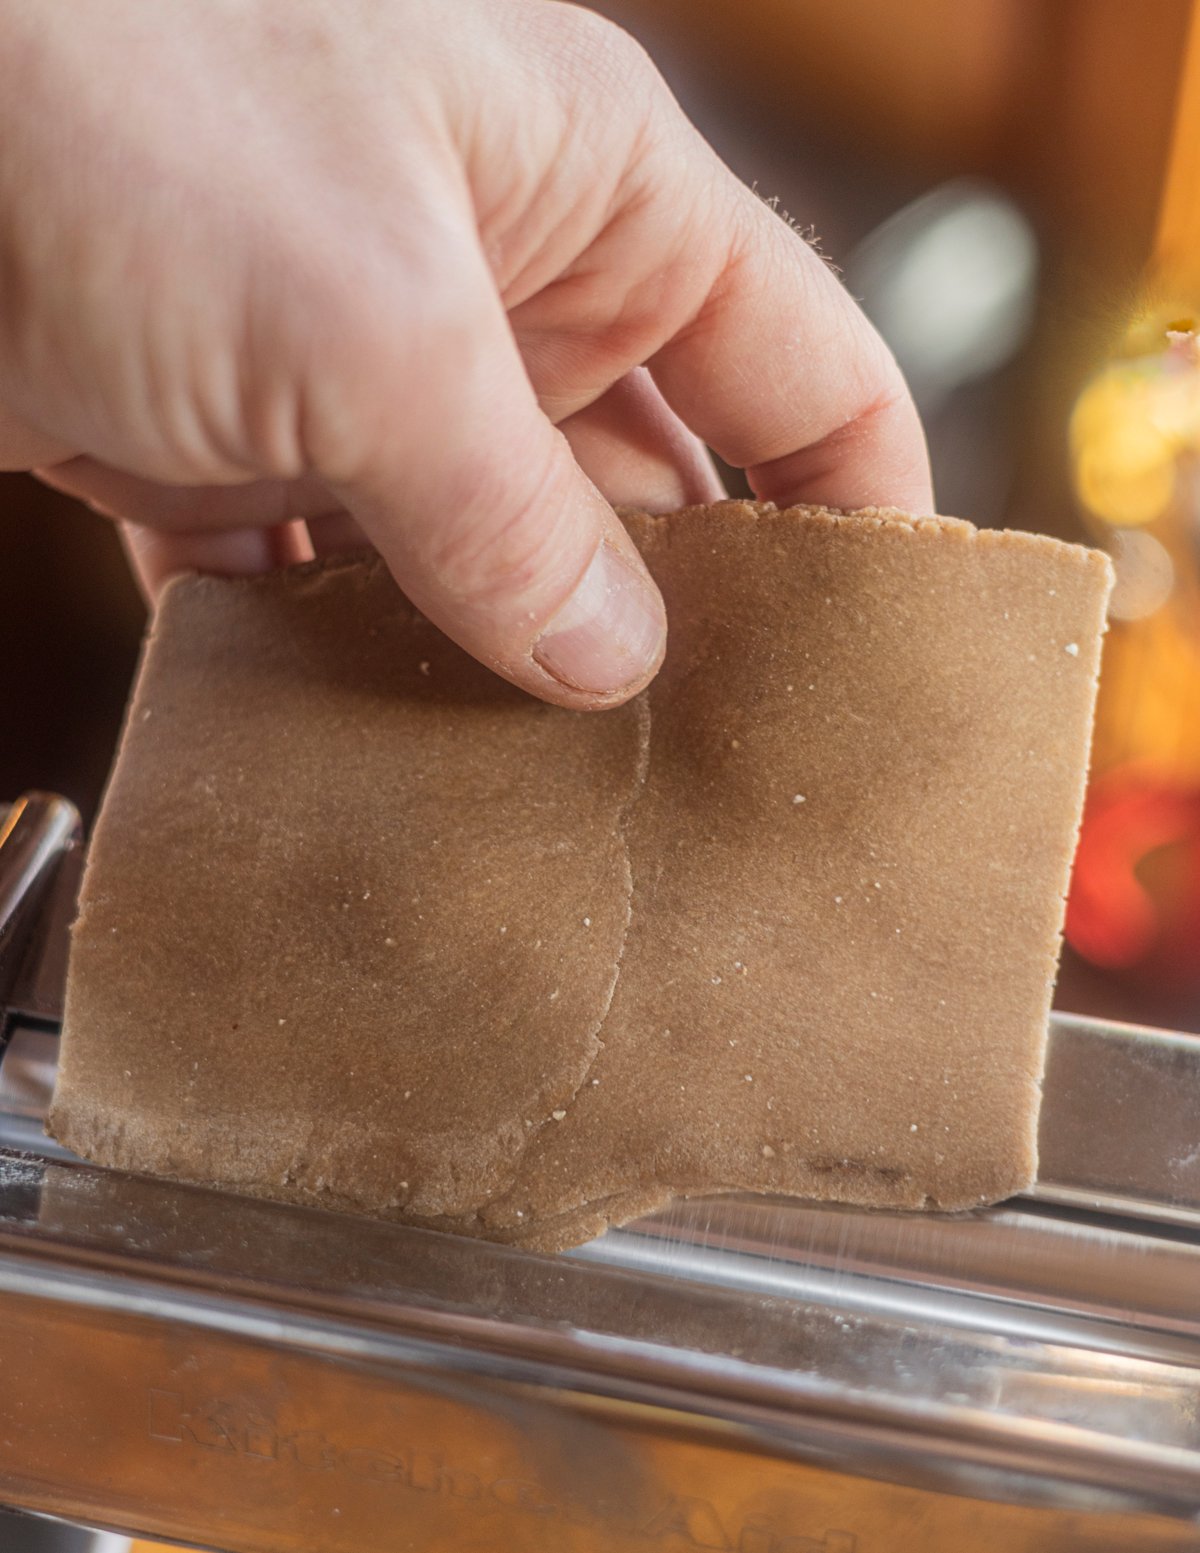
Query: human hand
x=447, y=280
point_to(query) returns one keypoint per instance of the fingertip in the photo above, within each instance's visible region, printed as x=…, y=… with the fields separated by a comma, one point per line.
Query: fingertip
x=876, y=458
x=636, y=450
x=607, y=640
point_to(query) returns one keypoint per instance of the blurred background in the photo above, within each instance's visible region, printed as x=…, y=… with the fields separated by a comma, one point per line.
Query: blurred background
x=1012, y=188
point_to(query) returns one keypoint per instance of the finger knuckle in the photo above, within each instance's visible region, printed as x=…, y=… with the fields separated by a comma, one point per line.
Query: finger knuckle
x=603, y=53
x=497, y=540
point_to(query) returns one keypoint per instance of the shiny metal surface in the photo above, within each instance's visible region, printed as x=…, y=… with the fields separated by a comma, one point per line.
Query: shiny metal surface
x=20, y=1533
x=998, y=1391
x=744, y=1374
x=35, y=833
x=1120, y=1126
x=1025, y=1356
x=26, y=1083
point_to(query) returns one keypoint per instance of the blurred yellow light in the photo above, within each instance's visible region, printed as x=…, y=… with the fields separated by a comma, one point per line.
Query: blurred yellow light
x=1124, y=459
x=1175, y=407
x=1128, y=477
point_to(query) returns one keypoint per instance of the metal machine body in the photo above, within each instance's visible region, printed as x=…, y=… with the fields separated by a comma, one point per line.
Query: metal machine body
x=740, y=1374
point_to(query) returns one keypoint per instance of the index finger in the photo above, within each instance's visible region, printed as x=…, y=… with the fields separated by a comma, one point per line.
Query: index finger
x=782, y=374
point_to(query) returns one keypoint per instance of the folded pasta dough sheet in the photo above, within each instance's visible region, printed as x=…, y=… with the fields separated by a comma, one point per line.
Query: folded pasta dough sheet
x=364, y=926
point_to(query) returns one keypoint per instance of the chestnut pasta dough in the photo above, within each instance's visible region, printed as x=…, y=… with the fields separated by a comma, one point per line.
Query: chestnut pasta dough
x=364, y=926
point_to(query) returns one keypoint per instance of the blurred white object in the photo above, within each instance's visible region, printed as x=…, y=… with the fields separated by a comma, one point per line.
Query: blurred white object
x=1145, y=575
x=950, y=283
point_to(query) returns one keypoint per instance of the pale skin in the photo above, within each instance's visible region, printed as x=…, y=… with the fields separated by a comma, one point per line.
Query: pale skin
x=452, y=280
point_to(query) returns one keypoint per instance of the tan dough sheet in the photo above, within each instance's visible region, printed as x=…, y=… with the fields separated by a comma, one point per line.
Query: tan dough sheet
x=364, y=926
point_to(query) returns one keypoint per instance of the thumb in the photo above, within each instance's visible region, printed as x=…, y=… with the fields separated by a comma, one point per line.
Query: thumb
x=481, y=512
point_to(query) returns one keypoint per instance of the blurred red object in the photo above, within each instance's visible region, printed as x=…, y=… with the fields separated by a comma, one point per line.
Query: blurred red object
x=1135, y=896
